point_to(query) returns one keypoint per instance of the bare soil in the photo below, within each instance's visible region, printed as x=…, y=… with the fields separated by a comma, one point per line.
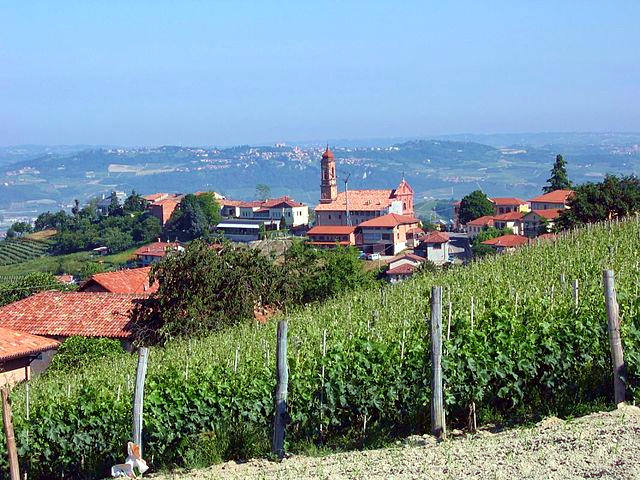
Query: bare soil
x=604, y=445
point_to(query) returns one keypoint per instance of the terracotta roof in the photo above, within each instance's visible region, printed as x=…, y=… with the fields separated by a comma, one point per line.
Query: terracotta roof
x=509, y=216
x=331, y=230
x=436, y=237
x=152, y=197
x=485, y=221
x=230, y=203
x=15, y=344
x=156, y=249
x=557, y=196
x=547, y=237
x=327, y=153
x=343, y=243
x=64, y=314
x=549, y=214
x=404, y=269
x=389, y=220
x=65, y=278
x=281, y=202
x=130, y=280
x=508, y=201
x=410, y=256
x=359, y=200
x=507, y=241
x=416, y=231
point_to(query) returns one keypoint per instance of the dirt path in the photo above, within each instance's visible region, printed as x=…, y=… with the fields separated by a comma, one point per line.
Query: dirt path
x=603, y=445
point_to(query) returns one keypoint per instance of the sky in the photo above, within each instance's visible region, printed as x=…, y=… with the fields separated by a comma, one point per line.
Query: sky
x=234, y=72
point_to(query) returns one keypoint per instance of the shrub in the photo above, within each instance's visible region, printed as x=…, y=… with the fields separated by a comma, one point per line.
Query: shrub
x=78, y=352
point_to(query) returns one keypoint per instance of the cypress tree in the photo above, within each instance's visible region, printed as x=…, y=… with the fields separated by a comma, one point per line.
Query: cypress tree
x=559, y=179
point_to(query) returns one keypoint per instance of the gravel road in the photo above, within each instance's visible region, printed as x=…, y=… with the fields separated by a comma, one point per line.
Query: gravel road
x=602, y=445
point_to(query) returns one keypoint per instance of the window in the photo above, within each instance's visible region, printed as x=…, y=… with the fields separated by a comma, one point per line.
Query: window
x=437, y=246
x=329, y=217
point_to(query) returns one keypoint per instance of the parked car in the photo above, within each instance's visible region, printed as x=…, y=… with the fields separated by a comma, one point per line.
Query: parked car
x=373, y=256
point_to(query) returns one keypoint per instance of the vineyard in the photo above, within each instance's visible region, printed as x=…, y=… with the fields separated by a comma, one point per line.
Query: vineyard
x=517, y=345
x=22, y=249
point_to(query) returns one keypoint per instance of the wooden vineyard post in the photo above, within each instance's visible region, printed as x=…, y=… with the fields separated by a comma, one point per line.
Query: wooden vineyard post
x=282, y=385
x=14, y=470
x=438, y=427
x=138, y=397
x=617, y=356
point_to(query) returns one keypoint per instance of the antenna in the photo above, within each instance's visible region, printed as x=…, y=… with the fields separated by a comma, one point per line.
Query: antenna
x=346, y=196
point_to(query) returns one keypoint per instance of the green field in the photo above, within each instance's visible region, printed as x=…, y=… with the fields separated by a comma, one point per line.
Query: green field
x=529, y=352
x=20, y=250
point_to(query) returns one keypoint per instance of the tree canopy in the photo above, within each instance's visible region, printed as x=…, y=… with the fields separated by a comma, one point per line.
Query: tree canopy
x=194, y=217
x=480, y=249
x=559, y=179
x=474, y=205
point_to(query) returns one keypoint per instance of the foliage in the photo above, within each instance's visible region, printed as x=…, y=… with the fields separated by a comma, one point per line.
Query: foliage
x=474, y=205
x=559, y=179
x=22, y=287
x=18, y=229
x=78, y=352
x=263, y=191
x=193, y=218
x=614, y=197
x=529, y=352
x=479, y=249
x=125, y=226
x=22, y=249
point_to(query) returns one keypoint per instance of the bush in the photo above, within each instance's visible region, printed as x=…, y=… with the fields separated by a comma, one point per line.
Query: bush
x=78, y=352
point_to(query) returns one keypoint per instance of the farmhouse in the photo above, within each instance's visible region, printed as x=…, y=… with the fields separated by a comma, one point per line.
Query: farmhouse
x=556, y=200
x=329, y=236
x=435, y=247
x=386, y=234
x=512, y=220
x=474, y=227
x=20, y=354
x=508, y=204
x=403, y=267
x=539, y=221
x=156, y=251
x=506, y=243
x=131, y=280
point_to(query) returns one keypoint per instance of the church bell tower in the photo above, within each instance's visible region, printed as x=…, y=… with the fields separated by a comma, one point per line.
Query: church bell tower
x=329, y=183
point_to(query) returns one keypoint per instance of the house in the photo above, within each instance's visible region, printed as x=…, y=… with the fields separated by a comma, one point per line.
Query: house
x=386, y=234
x=20, y=353
x=156, y=251
x=512, y=220
x=66, y=279
x=506, y=243
x=556, y=200
x=58, y=315
x=539, y=221
x=353, y=207
x=435, y=247
x=413, y=237
x=284, y=208
x=163, y=209
x=474, y=227
x=329, y=236
x=249, y=230
x=130, y=280
x=508, y=204
x=105, y=201
x=403, y=267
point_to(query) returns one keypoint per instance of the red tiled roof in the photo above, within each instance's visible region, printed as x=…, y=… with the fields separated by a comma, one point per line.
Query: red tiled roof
x=65, y=278
x=557, y=196
x=547, y=236
x=360, y=200
x=389, y=220
x=15, y=344
x=410, y=256
x=436, y=237
x=331, y=230
x=549, y=214
x=507, y=241
x=404, y=269
x=230, y=203
x=485, y=221
x=130, y=280
x=64, y=314
x=156, y=249
x=343, y=243
x=327, y=153
x=509, y=216
x=507, y=201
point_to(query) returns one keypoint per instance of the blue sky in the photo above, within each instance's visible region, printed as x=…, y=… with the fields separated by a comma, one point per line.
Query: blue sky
x=230, y=72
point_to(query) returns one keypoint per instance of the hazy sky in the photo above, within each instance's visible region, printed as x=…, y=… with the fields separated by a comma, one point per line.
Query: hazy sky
x=229, y=72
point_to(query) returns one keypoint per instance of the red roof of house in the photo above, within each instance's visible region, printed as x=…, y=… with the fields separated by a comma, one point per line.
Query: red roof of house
x=15, y=344
x=361, y=200
x=389, y=220
x=436, y=237
x=130, y=280
x=557, y=196
x=547, y=236
x=156, y=249
x=409, y=256
x=404, y=269
x=65, y=278
x=549, y=214
x=509, y=216
x=485, y=221
x=64, y=314
x=507, y=241
x=331, y=230
x=508, y=201
x=344, y=243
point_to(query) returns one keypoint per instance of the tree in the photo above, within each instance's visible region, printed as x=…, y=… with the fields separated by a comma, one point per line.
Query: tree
x=134, y=203
x=210, y=208
x=559, y=179
x=479, y=248
x=75, y=210
x=614, y=197
x=19, y=229
x=28, y=285
x=263, y=191
x=474, y=205
x=146, y=229
x=187, y=221
x=114, y=207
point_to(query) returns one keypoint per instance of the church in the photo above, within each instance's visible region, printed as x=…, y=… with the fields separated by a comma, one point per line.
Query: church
x=353, y=207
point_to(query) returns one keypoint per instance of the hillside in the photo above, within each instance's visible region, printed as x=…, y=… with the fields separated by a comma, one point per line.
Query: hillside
x=529, y=352
x=601, y=445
